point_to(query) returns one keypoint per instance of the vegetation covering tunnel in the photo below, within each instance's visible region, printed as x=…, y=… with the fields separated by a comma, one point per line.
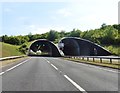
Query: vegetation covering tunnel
x=72, y=46
x=43, y=47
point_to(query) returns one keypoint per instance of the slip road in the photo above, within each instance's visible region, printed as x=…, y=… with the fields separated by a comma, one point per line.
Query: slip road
x=55, y=74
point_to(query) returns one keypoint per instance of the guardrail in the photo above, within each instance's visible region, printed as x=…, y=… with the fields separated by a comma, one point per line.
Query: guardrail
x=110, y=58
x=11, y=57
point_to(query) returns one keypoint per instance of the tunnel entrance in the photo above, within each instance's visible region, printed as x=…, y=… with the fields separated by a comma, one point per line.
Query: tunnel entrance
x=71, y=47
x=43, y=48
x=81, y=47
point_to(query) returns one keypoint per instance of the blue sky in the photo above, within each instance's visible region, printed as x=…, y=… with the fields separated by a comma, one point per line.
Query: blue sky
x=21, y=18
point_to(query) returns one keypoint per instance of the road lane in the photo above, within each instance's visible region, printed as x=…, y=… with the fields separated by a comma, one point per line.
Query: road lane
x=91, y=78
x=55, y=74
x=8, y=66
x=35, y=75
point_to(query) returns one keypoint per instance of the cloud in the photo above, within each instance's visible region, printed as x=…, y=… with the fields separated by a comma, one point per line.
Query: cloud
x=86, y=15
x=36, y=29
x=64, y=12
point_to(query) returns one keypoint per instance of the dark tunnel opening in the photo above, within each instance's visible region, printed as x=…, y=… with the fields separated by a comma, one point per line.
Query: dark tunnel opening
x=43, y=48
x=81, y=47
x=69, y=45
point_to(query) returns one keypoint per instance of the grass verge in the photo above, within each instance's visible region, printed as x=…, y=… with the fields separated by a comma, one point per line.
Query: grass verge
x=11, y=61
x=10, y=50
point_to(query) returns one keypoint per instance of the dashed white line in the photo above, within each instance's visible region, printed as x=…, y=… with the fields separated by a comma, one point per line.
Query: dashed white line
x=70, y=80
x=75, y=84
x=51, y=64
x=48, y=61
x=14, y=67
x=54, y=66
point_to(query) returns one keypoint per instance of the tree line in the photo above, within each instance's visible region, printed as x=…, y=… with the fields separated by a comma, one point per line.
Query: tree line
x=105, y=35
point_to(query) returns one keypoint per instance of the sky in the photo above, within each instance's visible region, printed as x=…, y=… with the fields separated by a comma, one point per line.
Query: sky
x=21, y=18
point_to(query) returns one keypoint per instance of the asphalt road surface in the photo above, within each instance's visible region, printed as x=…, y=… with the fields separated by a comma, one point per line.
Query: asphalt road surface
x=56, y=74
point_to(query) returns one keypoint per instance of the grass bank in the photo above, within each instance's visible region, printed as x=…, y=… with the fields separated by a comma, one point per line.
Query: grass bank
x=9, y=50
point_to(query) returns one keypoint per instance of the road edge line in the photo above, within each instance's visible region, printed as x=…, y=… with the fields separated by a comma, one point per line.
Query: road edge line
x=14, y=67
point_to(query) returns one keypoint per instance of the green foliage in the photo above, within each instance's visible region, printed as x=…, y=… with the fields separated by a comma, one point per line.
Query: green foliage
x=109, y=35
x=75, y=33
x=10, y=50
x=53, y=35
x=105, y=35
x=15, y=40
x=117, y=27
x=23, y=48
x=114, y=49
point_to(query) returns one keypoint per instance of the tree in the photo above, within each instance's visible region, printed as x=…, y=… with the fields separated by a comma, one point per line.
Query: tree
x=62, y=34
x=23, y=48
x=75, y=33
x=103, y=26
x=52, y=35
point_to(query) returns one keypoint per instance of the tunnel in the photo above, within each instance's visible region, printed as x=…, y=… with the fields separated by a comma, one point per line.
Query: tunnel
x=73, y=46
x=43, y=47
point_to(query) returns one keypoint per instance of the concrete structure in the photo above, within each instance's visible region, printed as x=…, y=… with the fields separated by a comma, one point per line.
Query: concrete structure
x=73, y=46
x=43, y=47
x=69, y=46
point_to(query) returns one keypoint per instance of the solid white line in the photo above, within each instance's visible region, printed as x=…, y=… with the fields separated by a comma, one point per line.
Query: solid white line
x=101, y=68
x=14, y=66
x=2, y=73
x=75, y=84
x=54, y=66
x=96, y=67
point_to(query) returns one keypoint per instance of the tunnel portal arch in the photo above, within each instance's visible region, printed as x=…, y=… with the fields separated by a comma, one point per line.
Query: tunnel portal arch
x=74, y=46
x=43, y=47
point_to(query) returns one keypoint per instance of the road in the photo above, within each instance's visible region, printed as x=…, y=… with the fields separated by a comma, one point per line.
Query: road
x=56, y=74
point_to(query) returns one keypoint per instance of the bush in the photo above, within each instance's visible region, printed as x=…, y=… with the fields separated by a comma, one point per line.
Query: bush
x=23, y=48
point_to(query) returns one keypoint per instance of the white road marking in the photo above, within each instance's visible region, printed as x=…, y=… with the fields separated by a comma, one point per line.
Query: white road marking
x=54, y=66
x=75, y=84
x=96, y=67
x=51, y=64
x=2, y=73
x=14, y=66
x=101, y=68
x=48, y=61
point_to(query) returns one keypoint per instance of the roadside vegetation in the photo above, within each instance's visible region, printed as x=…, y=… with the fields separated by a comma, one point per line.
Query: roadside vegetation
x=114, y=49
x=107, y=36
x=10, y=50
